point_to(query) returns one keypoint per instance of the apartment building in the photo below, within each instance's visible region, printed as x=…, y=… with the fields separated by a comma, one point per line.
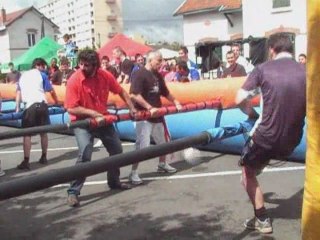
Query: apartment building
x=91, y=23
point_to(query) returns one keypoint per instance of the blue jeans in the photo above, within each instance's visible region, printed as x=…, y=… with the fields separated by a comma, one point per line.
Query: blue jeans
x=111, y=142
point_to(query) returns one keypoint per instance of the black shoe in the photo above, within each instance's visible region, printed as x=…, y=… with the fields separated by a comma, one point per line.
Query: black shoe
x=24, y=166
x=43, y=160
x=121, y=186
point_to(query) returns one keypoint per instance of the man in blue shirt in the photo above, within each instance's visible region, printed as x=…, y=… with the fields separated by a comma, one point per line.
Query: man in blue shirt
x=193, y=69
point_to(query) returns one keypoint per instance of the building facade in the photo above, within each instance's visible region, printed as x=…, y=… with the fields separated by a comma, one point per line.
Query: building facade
x=224, y=21
x=22, y=29
x=90, y=23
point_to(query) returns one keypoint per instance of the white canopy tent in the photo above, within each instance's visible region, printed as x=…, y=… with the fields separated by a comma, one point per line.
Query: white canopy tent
x=167, y=53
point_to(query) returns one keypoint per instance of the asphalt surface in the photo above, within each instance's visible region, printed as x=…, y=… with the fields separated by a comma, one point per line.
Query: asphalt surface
x=201, y=201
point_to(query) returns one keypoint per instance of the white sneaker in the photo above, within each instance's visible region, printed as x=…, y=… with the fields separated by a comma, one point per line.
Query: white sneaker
x=164, y=167
x=2, y=173
x=134, y=178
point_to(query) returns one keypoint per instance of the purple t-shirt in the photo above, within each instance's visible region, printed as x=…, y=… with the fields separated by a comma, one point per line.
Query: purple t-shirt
x=282, y=83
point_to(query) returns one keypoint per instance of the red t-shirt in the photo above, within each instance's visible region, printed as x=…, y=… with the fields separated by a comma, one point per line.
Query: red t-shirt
x=91, y=92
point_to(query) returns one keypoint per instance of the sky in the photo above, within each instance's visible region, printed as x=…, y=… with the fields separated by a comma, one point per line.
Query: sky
x=151, y=19
x=13, y=5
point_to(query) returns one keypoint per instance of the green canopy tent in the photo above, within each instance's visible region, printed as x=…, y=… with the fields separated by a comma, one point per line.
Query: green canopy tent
x=46, y=48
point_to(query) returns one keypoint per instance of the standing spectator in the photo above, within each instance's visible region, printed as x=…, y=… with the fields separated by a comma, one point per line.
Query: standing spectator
x=13, y=76
x=139, y=59
x=125, y=65
x=234, y=69
x=194, y=73
x=236, y=48
x=302, y=58
x=86, y=97
x=31, y=90
x=279, y=128
x=105, y=65
x=69, y=46
x=53, y=68
x=182, y=72
x=2, y=173
x=146, y=89
x=61, y=76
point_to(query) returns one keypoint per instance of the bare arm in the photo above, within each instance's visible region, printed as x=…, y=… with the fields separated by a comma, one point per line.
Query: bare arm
x=126, y=97
x=18, y=100
x=84, y=112
x=245, y=105
x=54, y=96
x=172, y=99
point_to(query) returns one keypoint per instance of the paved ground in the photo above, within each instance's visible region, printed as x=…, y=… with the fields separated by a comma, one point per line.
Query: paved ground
x=204, y=201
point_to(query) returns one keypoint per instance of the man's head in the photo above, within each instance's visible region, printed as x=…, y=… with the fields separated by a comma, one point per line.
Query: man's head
x=139, y=59
x=118, y=53
x=182, y=68
x=236, y=49
x=105, y=62
x=88, y=61
x=40, y=64
x=66, y=38
x=302, y=58
x=231, y=59
x=279, y=42
x=154, y=60
x=183, y=53
x=11, y=66
x=64, y=64
x=53, y=62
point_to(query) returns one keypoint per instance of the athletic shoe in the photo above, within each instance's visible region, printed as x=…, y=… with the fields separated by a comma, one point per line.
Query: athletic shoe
x=120, y=186
x=134, y=178
x=43, y=160
x=164, y=167
x=2, y=173
x=256, y=224
x=73, y=200
x=24, y=166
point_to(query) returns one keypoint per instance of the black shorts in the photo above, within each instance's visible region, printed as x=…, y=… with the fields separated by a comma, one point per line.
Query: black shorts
x=255, y=156
x=35, y=115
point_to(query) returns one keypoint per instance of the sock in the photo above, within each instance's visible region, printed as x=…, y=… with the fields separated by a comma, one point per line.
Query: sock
x=26, y=159
x=261, y=214
x=44, y=155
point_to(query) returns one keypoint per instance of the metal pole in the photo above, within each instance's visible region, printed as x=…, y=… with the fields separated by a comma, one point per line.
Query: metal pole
x=31, y=184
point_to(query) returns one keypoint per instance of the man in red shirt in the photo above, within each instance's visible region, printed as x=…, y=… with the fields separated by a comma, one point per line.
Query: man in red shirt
x=86, y=96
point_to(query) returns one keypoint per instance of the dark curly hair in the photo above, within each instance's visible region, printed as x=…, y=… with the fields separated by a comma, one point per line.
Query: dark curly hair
x=89, y=56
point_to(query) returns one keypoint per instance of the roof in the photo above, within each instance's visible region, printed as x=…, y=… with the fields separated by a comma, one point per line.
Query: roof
x=13, y=16
x=195, y=6
x=130, y=47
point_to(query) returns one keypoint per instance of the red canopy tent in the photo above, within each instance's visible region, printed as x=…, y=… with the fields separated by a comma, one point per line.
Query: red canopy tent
x=128, y=45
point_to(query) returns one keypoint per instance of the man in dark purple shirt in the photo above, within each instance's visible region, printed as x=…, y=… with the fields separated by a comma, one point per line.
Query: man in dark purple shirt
x=279, y=128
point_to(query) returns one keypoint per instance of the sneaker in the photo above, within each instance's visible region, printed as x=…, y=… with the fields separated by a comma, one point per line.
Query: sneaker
x=43, y=160
x=24, y=166
x=134, y=178
x=2, y=173
x=73, y=200
x=166, y=168
x=256, y=224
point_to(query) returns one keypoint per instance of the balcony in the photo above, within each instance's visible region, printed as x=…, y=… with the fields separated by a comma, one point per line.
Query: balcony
x=112, y=18
x=111, y=34
x=110, y=1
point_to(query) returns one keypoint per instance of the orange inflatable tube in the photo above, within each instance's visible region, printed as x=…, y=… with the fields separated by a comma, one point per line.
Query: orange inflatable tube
x=197, y=91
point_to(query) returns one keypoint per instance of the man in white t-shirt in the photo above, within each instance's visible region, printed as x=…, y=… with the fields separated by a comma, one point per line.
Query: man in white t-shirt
x=31, y=90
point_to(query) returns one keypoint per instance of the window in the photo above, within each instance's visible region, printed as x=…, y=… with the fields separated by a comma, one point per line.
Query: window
x=31, y=39
x=281, y=3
